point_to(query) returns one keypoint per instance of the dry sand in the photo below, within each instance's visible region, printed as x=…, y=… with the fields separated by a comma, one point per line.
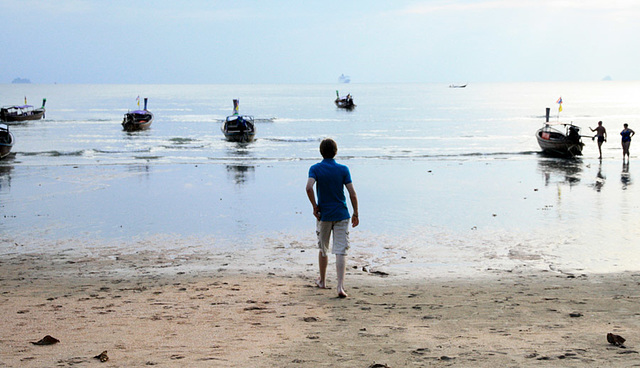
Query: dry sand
x=144, y=311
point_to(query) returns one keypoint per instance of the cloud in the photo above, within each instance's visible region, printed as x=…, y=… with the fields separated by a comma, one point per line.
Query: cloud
x=430, y=7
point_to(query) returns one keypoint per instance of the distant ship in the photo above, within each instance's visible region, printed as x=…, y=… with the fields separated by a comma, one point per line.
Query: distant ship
x=21, y=81
x=344, y=78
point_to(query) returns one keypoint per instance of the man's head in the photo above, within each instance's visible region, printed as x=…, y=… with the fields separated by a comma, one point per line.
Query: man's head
x=328, y=148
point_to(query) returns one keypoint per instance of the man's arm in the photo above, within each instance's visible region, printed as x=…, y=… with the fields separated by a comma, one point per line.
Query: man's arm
x=312, y=197
x=353, y=197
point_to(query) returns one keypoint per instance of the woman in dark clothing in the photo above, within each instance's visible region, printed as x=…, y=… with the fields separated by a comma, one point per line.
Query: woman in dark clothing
x=626, y=134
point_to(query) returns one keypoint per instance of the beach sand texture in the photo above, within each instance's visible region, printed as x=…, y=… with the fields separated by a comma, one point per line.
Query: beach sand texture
x=150, y=309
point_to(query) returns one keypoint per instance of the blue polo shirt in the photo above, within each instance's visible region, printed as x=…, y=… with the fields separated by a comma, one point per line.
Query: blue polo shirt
x=331, y=177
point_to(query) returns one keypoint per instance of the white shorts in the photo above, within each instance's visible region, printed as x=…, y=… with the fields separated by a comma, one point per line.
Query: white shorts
x=340, y=231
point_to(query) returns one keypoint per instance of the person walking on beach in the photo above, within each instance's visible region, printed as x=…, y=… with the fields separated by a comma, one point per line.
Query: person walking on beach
x=601, y=133
x=331, y=212
x=626, y=134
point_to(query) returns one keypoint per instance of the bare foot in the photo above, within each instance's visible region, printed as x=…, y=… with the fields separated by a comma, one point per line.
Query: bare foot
x=320, y=284
x=342, y=294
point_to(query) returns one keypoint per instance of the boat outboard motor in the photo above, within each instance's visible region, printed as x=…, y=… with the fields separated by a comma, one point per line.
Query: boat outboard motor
x=574, y=134
x=242, y=125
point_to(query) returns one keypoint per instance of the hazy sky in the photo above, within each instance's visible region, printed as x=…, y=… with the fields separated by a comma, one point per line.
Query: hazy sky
x=241, y=41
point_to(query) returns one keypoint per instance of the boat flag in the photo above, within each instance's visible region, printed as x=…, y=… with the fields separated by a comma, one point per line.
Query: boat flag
x=138, y=100
x=25, y=100
x=559, y=102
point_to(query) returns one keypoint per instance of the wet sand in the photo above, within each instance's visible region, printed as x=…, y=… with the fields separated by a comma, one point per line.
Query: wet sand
x=195, y=309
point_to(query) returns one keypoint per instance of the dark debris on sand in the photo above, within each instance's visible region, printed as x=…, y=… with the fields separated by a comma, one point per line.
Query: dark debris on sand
x=616, y=340
x=103, y=357
x=378, y=365
x=47, y=340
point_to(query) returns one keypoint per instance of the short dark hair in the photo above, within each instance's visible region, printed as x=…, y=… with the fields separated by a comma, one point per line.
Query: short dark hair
x=328, y=148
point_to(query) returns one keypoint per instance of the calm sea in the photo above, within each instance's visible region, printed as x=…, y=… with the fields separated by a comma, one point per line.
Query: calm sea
x=449, y=176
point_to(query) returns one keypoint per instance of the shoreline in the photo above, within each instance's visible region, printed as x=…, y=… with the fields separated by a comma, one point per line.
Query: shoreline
x=170, y=310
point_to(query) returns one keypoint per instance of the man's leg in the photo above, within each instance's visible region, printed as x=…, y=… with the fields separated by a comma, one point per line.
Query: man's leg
x=323, y=261
x=600, y=148
x=323, y=231
x=341, y=267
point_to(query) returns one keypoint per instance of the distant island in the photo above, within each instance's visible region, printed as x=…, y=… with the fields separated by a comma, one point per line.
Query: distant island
x=607, y=78
x=21, y=81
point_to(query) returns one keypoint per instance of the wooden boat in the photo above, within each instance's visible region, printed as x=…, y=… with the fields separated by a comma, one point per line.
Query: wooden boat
x=22, y=113
x=563, y=141
x=6, y=141
x=239, y=128
x=344, y=102
x=457, y=85
x=138, y=119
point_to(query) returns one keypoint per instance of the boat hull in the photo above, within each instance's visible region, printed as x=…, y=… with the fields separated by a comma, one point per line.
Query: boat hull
x=6, y=142
x=134, y=121
x=33, y=115
x=557, y=144
x=240, y=137
x=239, y=128
x=344, y=103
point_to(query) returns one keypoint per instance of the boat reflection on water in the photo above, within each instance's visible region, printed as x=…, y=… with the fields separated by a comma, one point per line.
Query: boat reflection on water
x=557, y=170
x=241, y=173
x=625, y=177
x=5, y=177
x=144, y=170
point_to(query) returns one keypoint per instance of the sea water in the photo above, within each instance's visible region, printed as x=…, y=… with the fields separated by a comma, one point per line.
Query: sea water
x=446, y=177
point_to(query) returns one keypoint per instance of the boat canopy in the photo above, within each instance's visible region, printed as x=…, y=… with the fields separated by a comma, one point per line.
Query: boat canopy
x=236, y=117
x=18, y=107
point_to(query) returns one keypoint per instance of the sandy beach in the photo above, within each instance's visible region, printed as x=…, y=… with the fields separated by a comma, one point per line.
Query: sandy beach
x=157, y=308
x=174, y=248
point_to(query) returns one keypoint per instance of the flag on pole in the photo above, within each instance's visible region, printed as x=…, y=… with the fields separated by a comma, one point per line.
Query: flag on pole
x=25, y=100
x=559, y=102
x=138, y=100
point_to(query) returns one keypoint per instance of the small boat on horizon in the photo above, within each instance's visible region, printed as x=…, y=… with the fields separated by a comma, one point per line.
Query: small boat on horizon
x=563, y=142
x=344, y=78
x=22, y=113
x=457, y=85
x=344, y=102
x=238, y=128
x=137, y=119
x=6, y=141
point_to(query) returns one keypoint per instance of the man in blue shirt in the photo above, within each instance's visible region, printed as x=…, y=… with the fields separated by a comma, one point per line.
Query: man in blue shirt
x=331, y=210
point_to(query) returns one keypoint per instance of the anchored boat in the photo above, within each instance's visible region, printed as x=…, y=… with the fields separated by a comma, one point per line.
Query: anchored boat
x=239, y=128
x=560, y=139
x=22, y=113
x=138, y=119
x=6, y=140
x=344, y=102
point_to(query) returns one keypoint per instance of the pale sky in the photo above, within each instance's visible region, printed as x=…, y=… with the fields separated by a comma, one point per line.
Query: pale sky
x=242, y=41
